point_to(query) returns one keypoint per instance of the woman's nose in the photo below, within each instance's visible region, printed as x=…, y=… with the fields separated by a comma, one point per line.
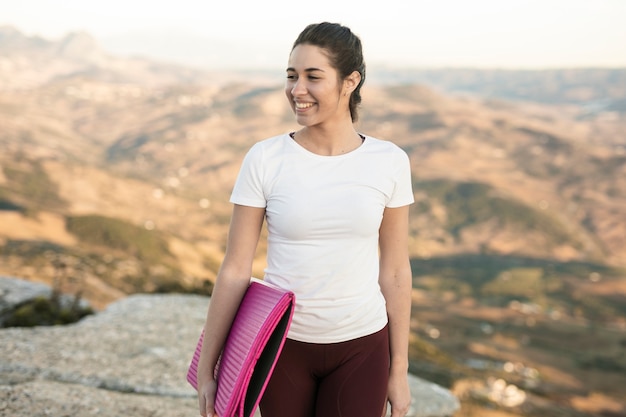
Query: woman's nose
x=298, y=88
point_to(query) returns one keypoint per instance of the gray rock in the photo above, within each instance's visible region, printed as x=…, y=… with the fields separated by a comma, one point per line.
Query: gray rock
x=39, y=398
x=15, y=292
x=130, y=359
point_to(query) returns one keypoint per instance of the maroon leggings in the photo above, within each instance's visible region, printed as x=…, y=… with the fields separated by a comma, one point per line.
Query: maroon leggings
x=346, y=379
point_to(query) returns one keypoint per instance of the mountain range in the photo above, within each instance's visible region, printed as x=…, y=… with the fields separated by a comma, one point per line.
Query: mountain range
x=115, y=174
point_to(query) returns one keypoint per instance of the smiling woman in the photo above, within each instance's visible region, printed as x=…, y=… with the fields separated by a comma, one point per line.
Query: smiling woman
x=337, y=238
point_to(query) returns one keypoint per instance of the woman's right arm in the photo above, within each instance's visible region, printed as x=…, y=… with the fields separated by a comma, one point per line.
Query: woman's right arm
x=231, y=283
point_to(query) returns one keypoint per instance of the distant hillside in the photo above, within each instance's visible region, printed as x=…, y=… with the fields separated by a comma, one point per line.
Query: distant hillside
x=596, y=89
x=32, y=61
x=490, y=176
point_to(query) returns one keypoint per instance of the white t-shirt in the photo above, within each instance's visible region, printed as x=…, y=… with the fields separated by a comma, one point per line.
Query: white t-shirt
x=323, y=215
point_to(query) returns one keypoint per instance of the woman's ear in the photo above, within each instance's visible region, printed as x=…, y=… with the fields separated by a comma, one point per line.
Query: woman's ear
x=351, y=82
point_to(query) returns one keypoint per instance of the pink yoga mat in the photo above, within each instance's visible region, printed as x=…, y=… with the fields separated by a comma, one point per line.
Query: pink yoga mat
x=251, y=350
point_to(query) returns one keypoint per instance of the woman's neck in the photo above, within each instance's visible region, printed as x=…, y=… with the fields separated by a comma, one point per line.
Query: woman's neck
x=328, y=142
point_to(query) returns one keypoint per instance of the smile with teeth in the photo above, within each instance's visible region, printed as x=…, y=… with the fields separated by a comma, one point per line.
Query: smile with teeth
x=302, y=106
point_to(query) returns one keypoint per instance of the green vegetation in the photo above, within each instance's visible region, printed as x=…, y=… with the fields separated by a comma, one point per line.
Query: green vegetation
x=32, y=250
x=420, y=122
x=59, y=307
x=146, y=245
x=119, y=270
x=247, y=104
x=430, y=362
x=139, y=259
x=46, y=311
x=497, y=280
x=126, y=148
x=608, y=363
x=175, y=286
x=31, y=187
x=7, y=205
x=525, y=283
x=471, y=203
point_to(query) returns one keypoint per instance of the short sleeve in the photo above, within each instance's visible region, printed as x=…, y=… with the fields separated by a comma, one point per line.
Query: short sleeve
x=403, y=190
x=248, y=189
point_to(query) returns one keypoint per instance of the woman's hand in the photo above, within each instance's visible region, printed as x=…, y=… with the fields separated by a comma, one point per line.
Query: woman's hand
x=206, y=398
x=399, y=394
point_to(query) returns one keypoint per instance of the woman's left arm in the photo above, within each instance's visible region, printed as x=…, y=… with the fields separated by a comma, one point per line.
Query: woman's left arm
x=396, y=284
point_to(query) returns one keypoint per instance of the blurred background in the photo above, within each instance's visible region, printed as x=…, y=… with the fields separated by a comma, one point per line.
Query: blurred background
x=123, y=125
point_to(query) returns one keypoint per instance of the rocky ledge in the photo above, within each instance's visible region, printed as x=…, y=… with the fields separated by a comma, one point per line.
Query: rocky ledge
x=130, y=359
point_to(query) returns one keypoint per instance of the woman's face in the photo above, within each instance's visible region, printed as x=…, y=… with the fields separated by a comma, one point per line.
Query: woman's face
x=313, y=88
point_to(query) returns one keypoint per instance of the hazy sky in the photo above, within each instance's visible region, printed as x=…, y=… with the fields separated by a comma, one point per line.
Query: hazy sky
x=483, y=33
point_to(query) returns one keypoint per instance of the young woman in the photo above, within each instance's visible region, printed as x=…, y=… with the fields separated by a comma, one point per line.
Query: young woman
x=336, y=204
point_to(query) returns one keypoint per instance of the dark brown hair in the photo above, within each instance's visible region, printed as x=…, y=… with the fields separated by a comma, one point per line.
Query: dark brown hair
x=345, y=53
